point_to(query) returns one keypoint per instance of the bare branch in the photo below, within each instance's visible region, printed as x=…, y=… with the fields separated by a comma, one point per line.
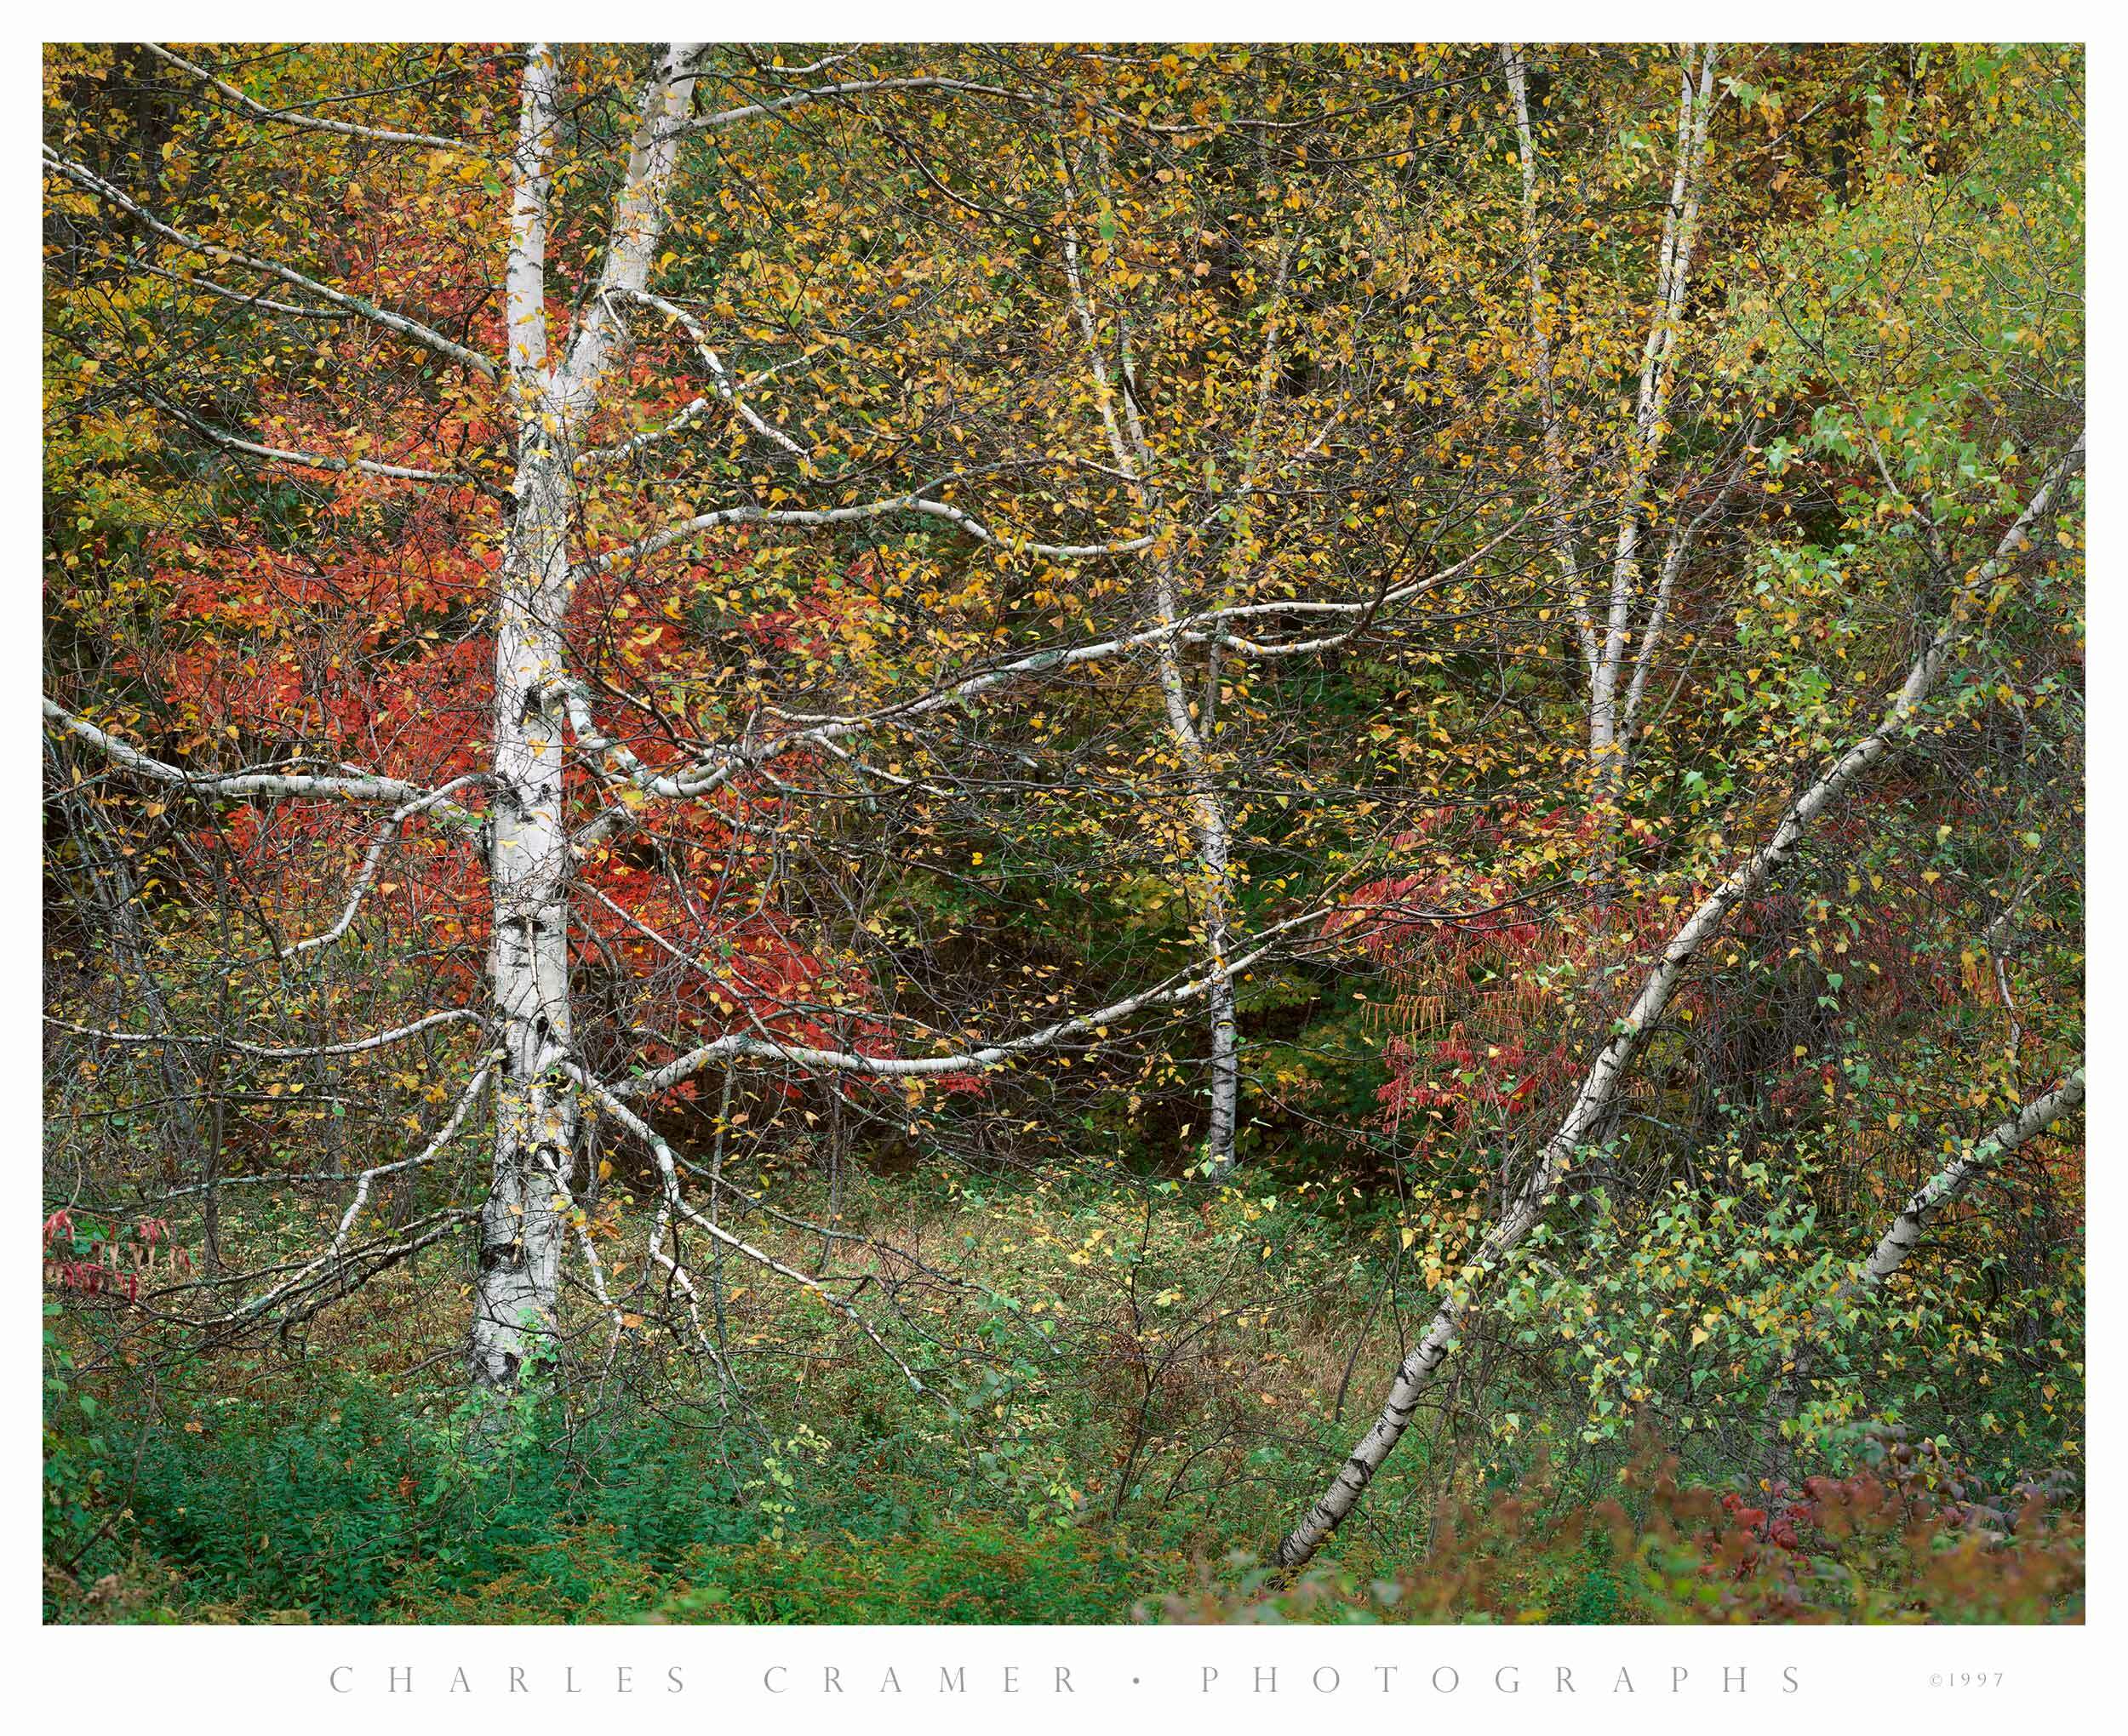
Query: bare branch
x=308, y=460
x=235, y=785
x=973, y=1060
x=368, y=872
x=354, y=1046
x=668, y=1172
x=314, y=123
x=825, y=93
x=426, y=336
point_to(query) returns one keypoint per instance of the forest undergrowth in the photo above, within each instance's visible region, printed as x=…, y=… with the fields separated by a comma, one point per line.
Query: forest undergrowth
x=1061, y=1476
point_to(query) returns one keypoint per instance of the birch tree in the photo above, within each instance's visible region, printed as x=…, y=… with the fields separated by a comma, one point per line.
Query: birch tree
x=630, y=623
x=1585, y=1119
x=551, y=457
x=1625, y=616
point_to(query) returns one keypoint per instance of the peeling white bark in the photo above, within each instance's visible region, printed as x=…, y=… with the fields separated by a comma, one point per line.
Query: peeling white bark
x=517, y=1286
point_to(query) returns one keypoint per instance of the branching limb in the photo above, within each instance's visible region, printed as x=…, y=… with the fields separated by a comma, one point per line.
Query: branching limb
x=337, y=1249
x=827, y=93
x=1208, y=627
x=367, y=874
x=818, y=517
x=668, y=1171
x=727, y=388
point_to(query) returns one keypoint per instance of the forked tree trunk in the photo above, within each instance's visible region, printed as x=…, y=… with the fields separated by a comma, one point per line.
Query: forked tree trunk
x=521, y=1225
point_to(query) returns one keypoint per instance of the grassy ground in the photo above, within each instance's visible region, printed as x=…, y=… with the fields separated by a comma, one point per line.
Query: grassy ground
x=1124, y=1402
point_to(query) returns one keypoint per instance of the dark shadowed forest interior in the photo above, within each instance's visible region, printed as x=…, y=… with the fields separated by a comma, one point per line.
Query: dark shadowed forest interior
x=869, y=834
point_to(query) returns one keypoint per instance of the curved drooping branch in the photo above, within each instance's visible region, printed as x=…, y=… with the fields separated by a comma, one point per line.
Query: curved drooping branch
x=815, y=518
x=827, y=93
x=353, y=1046
x=356, y=787
x=426, y=336
x=312, y=124
x=1607, y=1073
x=366, y=876
x=972, y=1060
x=305, y=460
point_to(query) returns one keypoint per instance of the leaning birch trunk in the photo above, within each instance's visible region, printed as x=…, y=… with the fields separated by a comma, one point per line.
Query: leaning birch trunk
x=1949, y=1185
x=1593, y=1101
x=1944, y=1188
x=522, y=1226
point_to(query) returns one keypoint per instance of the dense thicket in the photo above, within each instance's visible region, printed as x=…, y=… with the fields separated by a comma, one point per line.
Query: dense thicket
x=948, y=797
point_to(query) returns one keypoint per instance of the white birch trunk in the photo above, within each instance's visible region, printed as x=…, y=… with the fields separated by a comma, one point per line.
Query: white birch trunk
x=1214, y=857
x=1607, y=735
x=1600, y=1087
x=523, y=1224
x=1208, y=806
x=1944, y=1188
x=536, y=1121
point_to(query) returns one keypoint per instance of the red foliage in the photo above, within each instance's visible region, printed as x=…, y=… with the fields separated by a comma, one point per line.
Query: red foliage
x=379, y=658
x=98, y=1266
